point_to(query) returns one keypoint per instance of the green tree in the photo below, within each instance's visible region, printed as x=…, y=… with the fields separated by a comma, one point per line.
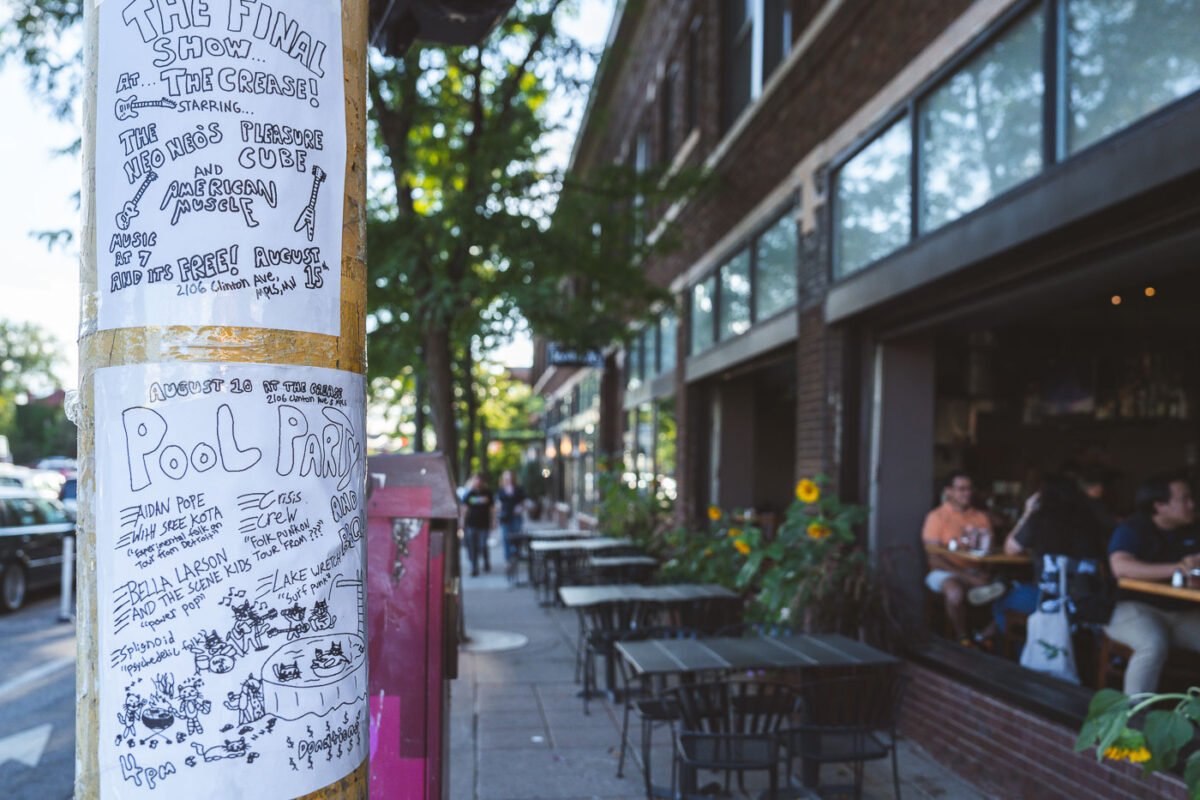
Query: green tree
x=461, y=239
x=28, y=357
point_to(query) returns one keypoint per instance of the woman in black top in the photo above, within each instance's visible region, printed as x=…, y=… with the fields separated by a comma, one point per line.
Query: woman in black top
x=1058, y=521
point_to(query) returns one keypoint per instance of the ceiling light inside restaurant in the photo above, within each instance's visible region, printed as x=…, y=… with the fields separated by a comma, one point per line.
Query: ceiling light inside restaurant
x=1150, y=291
x=1116, y=299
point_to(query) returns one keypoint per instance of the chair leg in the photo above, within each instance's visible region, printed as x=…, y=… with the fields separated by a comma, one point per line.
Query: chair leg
x=647, y=733
x=895, y=771
x=624, y=735
x=858, y=780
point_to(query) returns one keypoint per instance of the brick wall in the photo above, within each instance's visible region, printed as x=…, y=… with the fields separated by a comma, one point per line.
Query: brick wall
x=1011, y=753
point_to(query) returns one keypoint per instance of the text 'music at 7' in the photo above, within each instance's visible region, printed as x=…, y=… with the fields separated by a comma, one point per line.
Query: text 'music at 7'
x=220, y=164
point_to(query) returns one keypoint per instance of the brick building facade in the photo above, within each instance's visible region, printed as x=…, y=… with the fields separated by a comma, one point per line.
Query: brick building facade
x=966, y=194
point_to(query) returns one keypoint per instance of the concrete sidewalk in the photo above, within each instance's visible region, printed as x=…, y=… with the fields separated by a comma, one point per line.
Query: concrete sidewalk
x=518, y=731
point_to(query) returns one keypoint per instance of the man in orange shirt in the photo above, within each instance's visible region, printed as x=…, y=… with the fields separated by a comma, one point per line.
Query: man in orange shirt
x=951, y=577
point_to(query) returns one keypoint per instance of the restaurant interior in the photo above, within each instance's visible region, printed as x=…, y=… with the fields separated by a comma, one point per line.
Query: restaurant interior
x=1095, y=374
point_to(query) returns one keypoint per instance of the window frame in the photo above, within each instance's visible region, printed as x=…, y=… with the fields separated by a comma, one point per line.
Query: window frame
x=756, y=21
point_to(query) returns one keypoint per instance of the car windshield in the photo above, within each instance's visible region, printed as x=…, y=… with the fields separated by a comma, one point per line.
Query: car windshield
x=24, y=511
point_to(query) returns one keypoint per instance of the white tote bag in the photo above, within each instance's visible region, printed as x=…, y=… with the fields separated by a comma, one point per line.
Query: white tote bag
x=1048, y=646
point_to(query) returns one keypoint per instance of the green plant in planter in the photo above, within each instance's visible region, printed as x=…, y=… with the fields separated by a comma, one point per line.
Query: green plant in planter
x=715, y=555
x=812, y=573
x=1166, y=730
x=624, y=511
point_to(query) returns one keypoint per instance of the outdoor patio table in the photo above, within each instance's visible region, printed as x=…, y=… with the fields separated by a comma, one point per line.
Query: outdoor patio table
x=558, y=551
x=734, y=654
x=625, y=569
x=821, y=651
x=521, y=542
x=666, y=595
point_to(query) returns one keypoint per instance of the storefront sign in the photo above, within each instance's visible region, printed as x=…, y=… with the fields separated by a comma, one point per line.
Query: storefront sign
x=220, y=164
x=558, y=356
x=230, y=579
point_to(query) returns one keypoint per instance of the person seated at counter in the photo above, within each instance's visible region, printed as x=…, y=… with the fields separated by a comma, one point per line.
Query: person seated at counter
x=948, y=576
x=1150, y=545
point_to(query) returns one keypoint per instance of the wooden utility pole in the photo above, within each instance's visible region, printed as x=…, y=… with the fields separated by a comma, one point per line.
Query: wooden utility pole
x=197, y=343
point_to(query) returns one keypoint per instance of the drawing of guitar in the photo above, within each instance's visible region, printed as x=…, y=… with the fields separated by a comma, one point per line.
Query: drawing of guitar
x=127, y=108
x=308, y=217
x=130, y=209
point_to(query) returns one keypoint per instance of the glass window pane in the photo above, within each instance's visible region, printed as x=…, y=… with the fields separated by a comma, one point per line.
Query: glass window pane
x=1125, y=59
x=702, y=314
x=739, y=54
x=981, y=131
x=666, y=342
x=735, y=296
x=645, y=446
x=633, y=363
x=874, y=200
x=777, y=34
x=775, y=279
x=664, y=436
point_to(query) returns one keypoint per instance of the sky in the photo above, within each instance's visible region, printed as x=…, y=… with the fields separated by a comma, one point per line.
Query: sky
x=41, y=285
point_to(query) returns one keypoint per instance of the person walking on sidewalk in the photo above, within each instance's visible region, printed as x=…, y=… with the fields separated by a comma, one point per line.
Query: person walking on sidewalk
x=511, y=498
x=478, y=519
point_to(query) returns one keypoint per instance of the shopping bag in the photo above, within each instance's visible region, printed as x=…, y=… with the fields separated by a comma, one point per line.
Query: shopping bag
x=1048, y=646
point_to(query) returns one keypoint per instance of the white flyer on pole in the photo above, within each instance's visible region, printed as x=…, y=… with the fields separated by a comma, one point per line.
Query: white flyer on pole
x=230, y=560
x=220, y=163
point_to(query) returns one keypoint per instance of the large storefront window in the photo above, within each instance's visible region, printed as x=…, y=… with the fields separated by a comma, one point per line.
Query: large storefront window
x=775, y=268
x=735, y=296
x=981, y=131
x=1126, y=59
x=873, y=200
x=703, y=310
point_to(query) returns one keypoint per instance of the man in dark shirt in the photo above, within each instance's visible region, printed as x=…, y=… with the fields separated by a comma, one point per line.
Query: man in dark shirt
x=478, y=518
x=1151, y=545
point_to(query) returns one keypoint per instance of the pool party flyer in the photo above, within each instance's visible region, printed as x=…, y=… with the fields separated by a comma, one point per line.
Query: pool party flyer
x=230, y=521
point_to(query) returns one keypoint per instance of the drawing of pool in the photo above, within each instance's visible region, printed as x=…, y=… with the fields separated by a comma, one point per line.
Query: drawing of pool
x=315, y=675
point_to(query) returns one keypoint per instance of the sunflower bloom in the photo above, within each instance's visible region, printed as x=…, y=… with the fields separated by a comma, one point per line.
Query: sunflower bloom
x=1136, y=755
x=807, y=491
x=714, y=513
x=735, y=531
x=742, y=547
x=818, y=531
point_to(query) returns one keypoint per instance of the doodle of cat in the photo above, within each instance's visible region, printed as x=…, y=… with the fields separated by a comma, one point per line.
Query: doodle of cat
x=229, y=749
x=320, y=619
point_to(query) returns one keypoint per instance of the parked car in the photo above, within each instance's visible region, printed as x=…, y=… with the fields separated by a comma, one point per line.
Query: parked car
x=64, y=465
x=31, y=544
x=43, y=481
x=66, y=496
